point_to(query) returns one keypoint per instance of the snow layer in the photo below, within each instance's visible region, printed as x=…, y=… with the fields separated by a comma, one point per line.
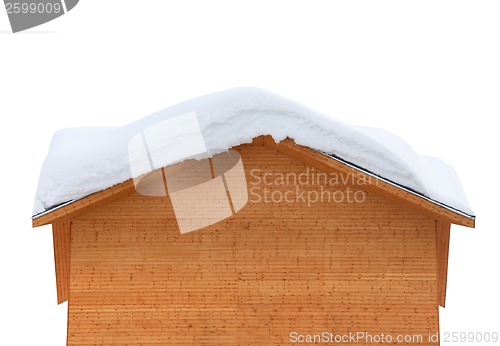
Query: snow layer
x=82, y=161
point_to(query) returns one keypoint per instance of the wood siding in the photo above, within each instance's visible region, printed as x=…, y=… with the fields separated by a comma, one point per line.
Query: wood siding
x=252, y=279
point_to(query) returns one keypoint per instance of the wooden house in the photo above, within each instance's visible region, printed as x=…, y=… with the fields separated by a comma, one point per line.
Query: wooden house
x=275, y=272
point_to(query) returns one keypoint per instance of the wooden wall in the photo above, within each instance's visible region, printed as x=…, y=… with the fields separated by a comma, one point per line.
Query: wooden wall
x=252, y=279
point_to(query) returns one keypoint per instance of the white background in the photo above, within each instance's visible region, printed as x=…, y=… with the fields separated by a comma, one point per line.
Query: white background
x=427, y=71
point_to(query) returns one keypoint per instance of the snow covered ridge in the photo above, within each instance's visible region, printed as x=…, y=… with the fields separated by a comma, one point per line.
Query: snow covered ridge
x=82, y=161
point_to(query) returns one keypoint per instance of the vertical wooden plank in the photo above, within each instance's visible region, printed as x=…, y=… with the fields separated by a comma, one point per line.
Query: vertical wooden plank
x=61, y=233
x=442, y=248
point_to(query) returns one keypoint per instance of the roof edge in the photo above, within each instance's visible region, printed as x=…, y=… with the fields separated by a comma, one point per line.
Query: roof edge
x=402, y=187
x=73, y=209
x=377, y=184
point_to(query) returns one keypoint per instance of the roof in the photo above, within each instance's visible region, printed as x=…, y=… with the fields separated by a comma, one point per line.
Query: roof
x=94, y=165
x=377, y=185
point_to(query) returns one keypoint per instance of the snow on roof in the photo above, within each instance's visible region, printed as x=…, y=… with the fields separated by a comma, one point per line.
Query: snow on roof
x=82, y=161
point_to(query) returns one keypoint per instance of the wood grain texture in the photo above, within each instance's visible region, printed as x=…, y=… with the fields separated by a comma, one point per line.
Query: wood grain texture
x=61, y=234
x=271, y=269
x=442, y=248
